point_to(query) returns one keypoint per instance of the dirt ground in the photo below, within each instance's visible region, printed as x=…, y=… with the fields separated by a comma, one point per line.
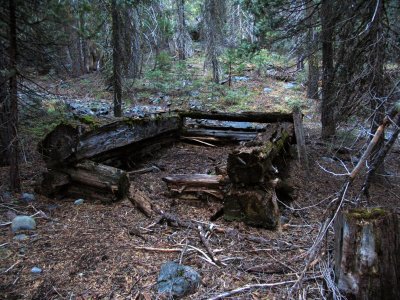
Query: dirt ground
x=95, y=251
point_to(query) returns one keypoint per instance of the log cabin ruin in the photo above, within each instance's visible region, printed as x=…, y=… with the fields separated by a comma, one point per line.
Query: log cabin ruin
x=96, y=161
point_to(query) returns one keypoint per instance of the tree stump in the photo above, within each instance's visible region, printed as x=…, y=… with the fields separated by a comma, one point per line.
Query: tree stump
x=367, y=260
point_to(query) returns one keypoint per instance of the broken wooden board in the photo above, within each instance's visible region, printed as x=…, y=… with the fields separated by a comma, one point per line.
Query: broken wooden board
x=257, y=117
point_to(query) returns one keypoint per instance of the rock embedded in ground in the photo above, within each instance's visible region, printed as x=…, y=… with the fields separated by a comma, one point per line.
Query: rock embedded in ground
x=267, y=90
x=177, y=280
x=36, y=270
x=23, y=223
x=79, y=202
x=21, y=237
x=27, y=197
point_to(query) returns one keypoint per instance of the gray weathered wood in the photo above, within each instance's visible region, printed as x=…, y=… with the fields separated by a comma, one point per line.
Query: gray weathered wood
x=300, y=139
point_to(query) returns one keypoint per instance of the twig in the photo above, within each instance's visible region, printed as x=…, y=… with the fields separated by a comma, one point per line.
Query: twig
x=207, y=246
x=9, y=269
x=158, y=249
x=249, y=287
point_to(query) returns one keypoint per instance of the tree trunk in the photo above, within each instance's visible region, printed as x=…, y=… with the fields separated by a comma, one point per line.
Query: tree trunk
x=117, y=80
x=181, y=29
x=367, y=244
x=313, y=70
x=4, y=109
x=15, y=183
x=328, y=99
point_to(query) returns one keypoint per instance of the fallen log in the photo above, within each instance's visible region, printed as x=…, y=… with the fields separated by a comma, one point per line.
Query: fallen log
x=220, y=135
x=88, y=180
x=66, y=146
x=367, y=246
x=195, y=184
x=141, y=201
x=257, y=117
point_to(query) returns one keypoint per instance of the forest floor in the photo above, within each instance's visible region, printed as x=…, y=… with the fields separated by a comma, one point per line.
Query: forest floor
x=96, y=251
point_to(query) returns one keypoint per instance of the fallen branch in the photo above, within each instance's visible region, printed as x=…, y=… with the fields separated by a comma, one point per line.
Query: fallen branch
x=158, y=249
x=250, y=287
x=207, y=246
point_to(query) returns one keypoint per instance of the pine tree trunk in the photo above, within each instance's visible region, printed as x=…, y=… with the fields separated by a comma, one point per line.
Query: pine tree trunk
x=4, y=109
x=117, y=82
x=367, y=246
x=328, y=104
x=313, y=71
x=15, y=183
x=181, y=29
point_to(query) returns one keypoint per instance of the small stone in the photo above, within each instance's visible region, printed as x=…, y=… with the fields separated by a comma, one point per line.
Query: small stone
x=290, y=85
x=177, y=280
x=36, y=270
x=267, y=90
x=27, y=197
x=23, y=223
x=328, y=159
x=79, y=202
x=284, y=220
x=21, y=237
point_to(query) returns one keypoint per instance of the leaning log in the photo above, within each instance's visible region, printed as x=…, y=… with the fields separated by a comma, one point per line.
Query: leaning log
x=66, y=146
x=88, y=180
x=367, y=247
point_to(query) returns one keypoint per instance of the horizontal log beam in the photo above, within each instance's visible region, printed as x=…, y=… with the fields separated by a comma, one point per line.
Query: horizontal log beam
x=257, y=117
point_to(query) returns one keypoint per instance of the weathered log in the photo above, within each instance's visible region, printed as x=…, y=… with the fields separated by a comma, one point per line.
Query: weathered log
x=195, y=184
x=254, y=206
x=65, y=146
x=141, y=201
x=261, y=163
x=300, y=139
x=194, y=180
x=88, y=180
x=258, y=117
x=367, y=247
x=221, y=135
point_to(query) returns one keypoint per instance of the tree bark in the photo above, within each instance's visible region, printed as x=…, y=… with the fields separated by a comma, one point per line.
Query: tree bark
x=367, y=244
x=4, y=108
x=312, y=46
x=15, y=183
x=181, y=29
x=328, y=101
x=117, y=76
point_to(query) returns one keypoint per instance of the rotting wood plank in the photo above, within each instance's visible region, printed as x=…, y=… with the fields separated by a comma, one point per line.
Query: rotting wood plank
x=202, y=180
x=257, y=117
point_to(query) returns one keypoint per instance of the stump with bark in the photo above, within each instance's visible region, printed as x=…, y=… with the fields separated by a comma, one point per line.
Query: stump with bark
x=367, y=247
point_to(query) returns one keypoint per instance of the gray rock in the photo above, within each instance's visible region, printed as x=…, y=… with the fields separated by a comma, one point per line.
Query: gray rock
x=177, y=280
x=36, y=270
x=23, y=223
x=21, y=237
x=79, y=201
x=267, y=90
x=290, y=85
x=240, y=78
x=284, y=220
x=328, y=159
x=27, y=197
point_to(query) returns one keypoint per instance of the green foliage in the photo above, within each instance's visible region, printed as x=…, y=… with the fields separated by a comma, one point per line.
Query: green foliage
x=163, y=61
x=293, y=102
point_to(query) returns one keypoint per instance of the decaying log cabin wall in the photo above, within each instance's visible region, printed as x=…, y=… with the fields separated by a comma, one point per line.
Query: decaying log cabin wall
x=79, y=158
